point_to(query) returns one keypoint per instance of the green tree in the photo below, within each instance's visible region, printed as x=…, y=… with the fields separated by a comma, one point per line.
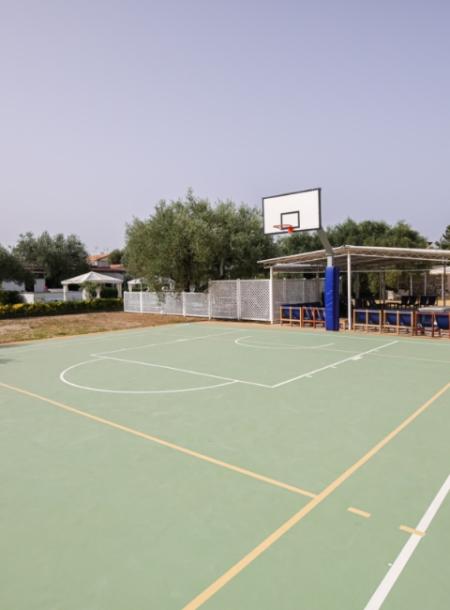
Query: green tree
x=11, y=268
x=172, y=246
x=444, y=242
x=116, y=256
x=58, y=257
x=365, y=233
x=238, y=242
x=187, y=242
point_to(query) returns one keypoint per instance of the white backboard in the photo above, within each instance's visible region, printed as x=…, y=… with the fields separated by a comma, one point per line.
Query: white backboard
x=301, y=210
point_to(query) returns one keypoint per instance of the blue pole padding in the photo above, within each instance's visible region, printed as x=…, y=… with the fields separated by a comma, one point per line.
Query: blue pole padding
x=332, y=298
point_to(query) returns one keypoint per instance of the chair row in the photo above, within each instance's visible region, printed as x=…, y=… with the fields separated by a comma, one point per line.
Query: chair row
x=414, y=322
x=304, y=314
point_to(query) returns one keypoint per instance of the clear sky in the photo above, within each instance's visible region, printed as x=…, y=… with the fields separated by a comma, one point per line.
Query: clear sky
x=108, y=106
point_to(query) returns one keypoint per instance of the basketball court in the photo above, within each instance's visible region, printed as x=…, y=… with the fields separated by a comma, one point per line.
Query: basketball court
x=225, y=467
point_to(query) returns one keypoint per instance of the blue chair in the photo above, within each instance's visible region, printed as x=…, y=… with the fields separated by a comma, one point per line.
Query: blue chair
x=295, y=312
x=443, y=322
x=391, y=319
x=374, y=318
x=360, y=317
x=406, y=319
x=425, y=322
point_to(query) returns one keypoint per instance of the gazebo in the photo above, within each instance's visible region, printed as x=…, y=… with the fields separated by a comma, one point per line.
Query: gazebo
x=91, y=277
x=136, y=283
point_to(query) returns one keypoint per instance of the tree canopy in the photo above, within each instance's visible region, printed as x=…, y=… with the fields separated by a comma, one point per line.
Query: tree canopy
x=59, y=257
x=188, y=241
x=365, y=233
x=11, y=268
x=115, y=256
x=444, y=242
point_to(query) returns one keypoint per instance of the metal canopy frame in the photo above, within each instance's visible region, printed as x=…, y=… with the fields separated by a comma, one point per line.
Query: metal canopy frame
x=360, y=259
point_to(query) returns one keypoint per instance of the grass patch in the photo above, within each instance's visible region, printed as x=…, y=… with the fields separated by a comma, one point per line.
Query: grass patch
x=29, y=329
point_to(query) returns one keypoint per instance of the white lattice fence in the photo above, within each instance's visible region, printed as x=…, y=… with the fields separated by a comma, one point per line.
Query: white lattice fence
x=295, y=291
x=228, y=299
x=173, y=303
x=255, y=299
x=131, y=302
x=224, y=299
x=196, y=304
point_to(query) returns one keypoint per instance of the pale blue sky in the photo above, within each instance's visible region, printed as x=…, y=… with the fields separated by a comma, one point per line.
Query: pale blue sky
x=109, y=106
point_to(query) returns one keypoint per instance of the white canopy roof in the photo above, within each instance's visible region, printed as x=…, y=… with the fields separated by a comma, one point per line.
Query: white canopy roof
x=365, y=257
x=92, y=276
x=136, y=282
x=440, y=270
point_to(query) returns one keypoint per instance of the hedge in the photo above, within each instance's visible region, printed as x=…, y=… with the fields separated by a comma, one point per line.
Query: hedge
x=58, y=308
x=10, y=297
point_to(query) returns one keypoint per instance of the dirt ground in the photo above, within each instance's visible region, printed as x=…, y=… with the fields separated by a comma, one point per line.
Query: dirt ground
x=27, y=329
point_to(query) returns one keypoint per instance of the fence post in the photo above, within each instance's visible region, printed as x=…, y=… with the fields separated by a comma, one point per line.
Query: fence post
x=183, y=304
x=238, y=299
x=141, y=301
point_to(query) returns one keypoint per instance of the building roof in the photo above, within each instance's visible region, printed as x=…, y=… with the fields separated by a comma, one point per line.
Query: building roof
x=367, y=257
x=92, y=276
x=92, y=258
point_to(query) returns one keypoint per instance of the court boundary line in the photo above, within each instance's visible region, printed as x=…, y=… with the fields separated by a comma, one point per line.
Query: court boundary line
x=263, y=546
x=29, y=345
x=104, y=334
x=333, y=364
x=325, y=347
x=96, y=359
x=180, y=370
x=394, y=572
x=275, y=347
x=99, y=357
x=162, y=442
x=171, y=342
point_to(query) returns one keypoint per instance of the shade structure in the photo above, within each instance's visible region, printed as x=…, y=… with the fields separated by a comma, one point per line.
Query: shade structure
x=363, y=259
x=92, y=277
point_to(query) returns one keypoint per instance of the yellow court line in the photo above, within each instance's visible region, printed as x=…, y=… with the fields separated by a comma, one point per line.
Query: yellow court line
x=359, y=512
x=411, y=530
x=164, y=443
x=218, y=584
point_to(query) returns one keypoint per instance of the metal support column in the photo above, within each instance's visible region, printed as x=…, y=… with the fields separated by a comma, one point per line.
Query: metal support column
x=271, y=295
x=349, y=290
x=444, y=279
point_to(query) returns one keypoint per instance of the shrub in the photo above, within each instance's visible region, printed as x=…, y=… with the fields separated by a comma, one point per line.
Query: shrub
x=10, y=297
x=57, y=308
x=108, y=293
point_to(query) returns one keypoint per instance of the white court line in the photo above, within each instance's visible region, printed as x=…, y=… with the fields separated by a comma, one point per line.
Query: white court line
x=397, y=567
x=333, y=365
x=31, y=345
x=79, y=386
x=179, y=370
x=172, y=342
x=279, y=346
x=229, y=380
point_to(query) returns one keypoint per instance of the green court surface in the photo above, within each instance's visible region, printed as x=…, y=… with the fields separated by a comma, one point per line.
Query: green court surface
x=214, y=465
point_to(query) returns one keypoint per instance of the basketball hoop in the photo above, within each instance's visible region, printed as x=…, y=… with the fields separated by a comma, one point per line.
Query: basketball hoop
x=287, y=228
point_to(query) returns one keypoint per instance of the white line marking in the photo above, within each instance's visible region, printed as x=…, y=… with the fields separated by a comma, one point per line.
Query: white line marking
x=394, y=572
x=239, y=340
x=172, y=342
x=333, y=365
x=58, y=342
x=180, y=370
x=108, y=391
